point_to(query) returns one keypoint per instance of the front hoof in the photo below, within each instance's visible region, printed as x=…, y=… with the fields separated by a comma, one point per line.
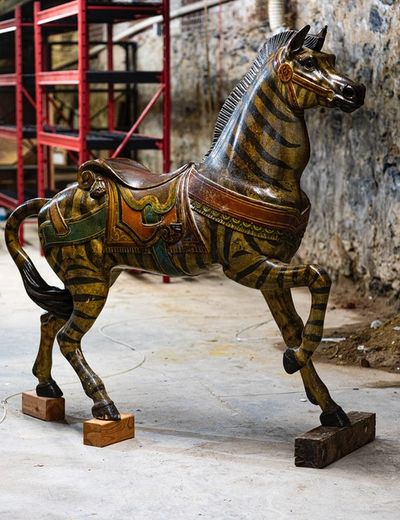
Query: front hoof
x=50, y=389
x=106, y=411
x=290, y=363
x=338, y=418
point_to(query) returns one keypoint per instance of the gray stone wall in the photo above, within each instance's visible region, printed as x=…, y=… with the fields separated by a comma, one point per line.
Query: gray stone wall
x=353, y=178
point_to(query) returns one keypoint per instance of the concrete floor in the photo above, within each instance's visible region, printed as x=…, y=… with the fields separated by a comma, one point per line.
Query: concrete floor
x=216, y=417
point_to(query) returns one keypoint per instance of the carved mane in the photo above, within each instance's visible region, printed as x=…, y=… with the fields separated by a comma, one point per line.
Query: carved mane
x=270, y=46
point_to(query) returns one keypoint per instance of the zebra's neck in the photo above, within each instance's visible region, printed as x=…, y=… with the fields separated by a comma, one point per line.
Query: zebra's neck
x=264, y=147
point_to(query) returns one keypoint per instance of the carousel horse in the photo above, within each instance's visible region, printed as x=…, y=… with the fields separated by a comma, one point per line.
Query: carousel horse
x=241, y=207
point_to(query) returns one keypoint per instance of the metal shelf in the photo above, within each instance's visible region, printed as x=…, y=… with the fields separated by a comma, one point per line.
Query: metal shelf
x=99, y=12
x=9, y=25
x=17, y=81
x=9, y=199
x=71, y=77
x=114, y=77
x=8, y=80
x=11, y=132
x=76, y=15
x=98, y=140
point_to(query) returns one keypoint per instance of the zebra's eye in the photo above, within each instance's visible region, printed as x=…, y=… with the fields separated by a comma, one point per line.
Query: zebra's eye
x=308, y=63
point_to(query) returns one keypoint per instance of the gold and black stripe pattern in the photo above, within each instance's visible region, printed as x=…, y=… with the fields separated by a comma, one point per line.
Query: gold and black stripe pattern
x=259, y=151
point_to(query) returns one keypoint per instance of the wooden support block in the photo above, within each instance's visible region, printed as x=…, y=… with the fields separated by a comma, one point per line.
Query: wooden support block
x=45, y=408
x=325, y=444
x=103, y=433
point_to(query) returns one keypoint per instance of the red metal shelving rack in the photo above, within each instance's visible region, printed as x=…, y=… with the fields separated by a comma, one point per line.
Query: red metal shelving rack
x=17, y=80
x=70, y=16
x=78, y=14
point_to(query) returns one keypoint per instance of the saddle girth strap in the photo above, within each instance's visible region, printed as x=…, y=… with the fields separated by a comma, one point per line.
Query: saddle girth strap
x=243, y=213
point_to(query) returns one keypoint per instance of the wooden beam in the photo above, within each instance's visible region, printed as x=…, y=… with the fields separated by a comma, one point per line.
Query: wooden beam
x=325, y=444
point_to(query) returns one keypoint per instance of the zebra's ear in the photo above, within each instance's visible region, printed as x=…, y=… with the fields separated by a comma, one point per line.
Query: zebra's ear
x=321, y=38
x=296, y=42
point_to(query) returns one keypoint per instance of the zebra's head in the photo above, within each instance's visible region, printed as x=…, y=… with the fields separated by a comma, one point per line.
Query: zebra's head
x=308, y=77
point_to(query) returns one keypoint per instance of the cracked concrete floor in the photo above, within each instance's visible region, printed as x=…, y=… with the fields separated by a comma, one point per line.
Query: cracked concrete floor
x=216, y=415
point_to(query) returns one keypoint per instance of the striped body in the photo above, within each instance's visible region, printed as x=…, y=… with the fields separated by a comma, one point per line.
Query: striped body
x=74, y=205
x=242, y=208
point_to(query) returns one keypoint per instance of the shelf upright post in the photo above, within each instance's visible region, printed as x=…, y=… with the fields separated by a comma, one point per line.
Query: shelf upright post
x=47, y=151
x=19, y=112
x=83, y=92
x=39, y=100
x=19, y=123
x=110, y=66
x=166, y=79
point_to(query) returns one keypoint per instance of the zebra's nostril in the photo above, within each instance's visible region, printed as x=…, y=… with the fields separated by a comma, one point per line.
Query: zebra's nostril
x=349, y=92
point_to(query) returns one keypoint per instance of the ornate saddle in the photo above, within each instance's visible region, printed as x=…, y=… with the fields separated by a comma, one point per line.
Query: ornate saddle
x=146, y=210
x=127, y=172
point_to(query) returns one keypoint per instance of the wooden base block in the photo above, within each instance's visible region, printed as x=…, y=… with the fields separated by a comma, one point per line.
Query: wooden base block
x=45, y=408
x=103, y=433
x=325, y=444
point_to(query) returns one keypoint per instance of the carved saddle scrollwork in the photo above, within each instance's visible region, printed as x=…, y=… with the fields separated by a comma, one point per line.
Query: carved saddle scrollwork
x=144, y=208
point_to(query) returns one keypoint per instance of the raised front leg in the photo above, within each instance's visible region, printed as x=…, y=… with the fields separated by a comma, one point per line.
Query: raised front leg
x=290, y=324
x=268, y=275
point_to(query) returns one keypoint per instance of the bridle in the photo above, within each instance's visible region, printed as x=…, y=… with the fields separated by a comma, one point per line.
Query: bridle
x=288, y=76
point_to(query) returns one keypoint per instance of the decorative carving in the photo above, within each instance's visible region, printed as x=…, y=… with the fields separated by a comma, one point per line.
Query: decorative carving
x=241, y=207
x=242, y=226
x=171, y=233
x=285, y=72
x=98, y=188
x=85, y=179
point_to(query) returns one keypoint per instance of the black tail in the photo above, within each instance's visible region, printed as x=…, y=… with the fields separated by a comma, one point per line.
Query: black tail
x=51, y=299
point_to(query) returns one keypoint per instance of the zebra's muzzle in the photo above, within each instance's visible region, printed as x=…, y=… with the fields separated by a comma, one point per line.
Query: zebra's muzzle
x=350, y=97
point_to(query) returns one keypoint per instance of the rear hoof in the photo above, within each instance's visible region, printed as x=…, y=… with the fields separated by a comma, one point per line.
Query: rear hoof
x=50, y=389
x=338, y=418
x=106, y=411
x=290, y=363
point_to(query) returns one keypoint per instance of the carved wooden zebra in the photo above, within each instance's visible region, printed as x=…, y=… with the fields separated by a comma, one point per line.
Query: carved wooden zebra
x=241, y=207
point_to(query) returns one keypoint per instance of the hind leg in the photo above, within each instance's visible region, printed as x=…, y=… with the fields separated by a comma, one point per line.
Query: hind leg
x=49, y=326
x=89, y=296
x=291, y=327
